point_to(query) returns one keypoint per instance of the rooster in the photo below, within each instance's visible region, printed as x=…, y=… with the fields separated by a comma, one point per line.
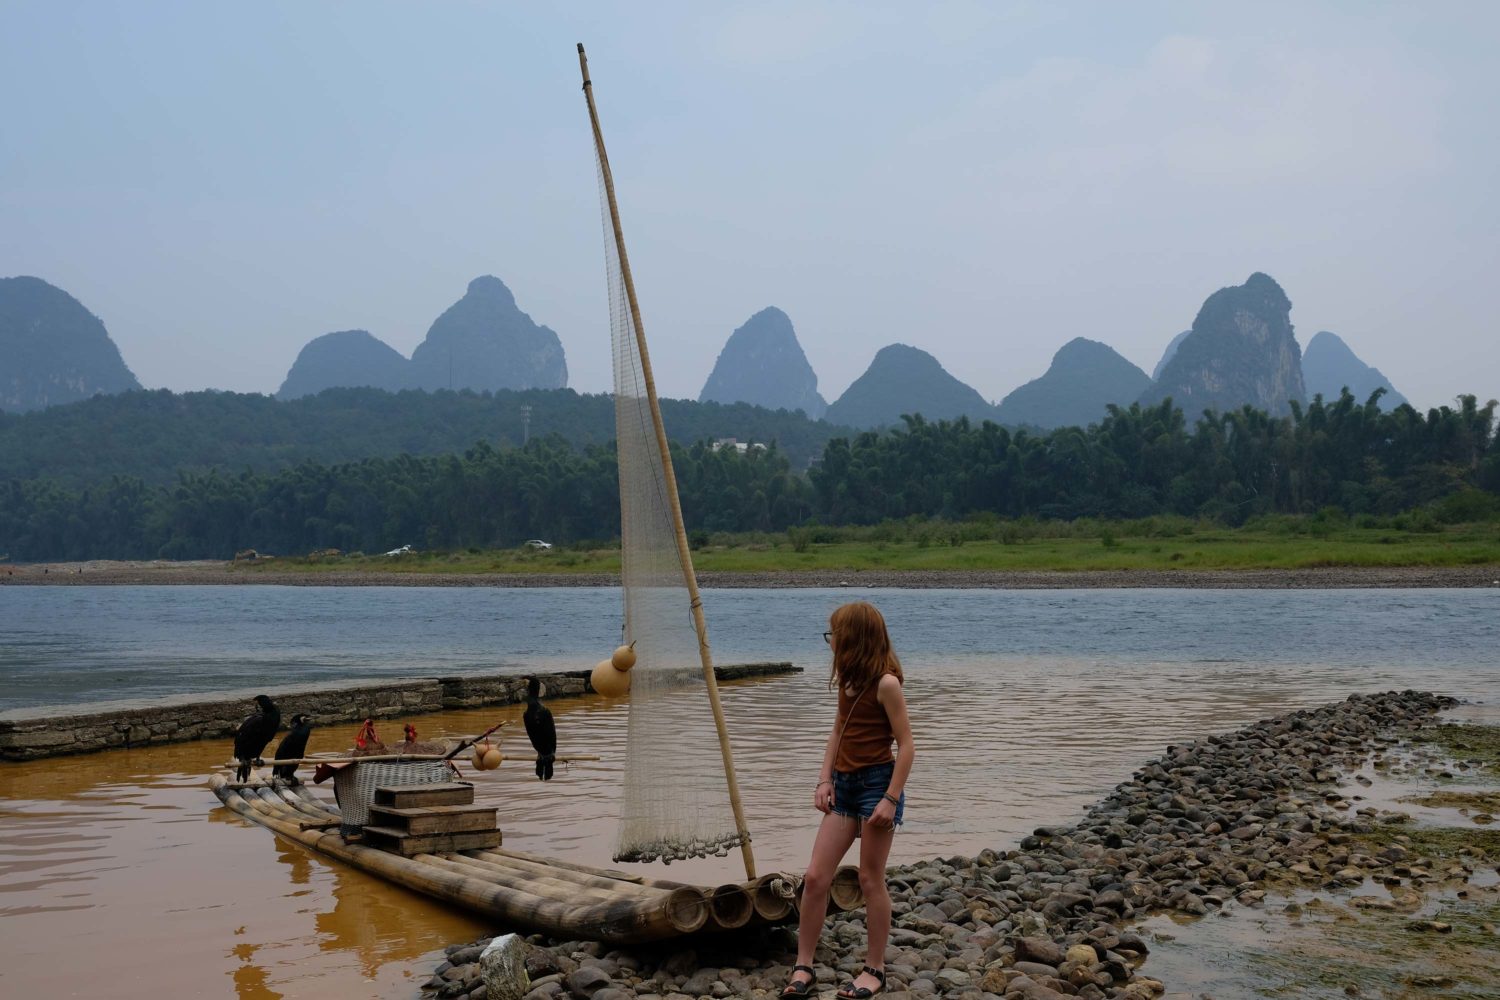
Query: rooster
x=367, y=744
x=413, y=745
x=254, y=734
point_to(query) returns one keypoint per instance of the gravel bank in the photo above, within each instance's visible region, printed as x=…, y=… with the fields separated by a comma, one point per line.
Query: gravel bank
x=102, y=572
x=1209, y=822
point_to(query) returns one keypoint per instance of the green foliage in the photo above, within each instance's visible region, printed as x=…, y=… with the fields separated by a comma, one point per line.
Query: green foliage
x=484, y=498
x=1329, y=471
x=1341, y=458
x=158, y=435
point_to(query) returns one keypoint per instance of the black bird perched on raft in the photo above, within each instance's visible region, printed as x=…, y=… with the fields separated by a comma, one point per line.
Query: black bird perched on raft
x=293, y=746
x=540, y=729
x=253, y=735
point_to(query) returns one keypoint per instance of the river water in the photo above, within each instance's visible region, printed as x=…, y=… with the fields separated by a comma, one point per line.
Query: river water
x=120, y=875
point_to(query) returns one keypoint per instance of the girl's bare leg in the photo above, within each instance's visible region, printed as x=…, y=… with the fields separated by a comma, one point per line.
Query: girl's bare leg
x=835, y=834
x=874, y=850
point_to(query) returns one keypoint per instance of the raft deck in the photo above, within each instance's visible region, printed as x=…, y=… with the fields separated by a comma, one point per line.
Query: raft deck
x=530, y=893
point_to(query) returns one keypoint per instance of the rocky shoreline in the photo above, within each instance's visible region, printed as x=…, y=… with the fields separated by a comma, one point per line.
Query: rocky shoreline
x=1216, y=820
x=211, y=573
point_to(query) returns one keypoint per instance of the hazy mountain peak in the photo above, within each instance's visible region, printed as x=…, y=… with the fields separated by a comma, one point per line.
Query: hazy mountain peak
x=904, y=379
x=485, y=342
x=1166, y=355
x=52, y=349
x=763, y=363
x=487, y=286
x=345, y=358
x=1084, y=377
x=1242, y=349
x=1329, y=364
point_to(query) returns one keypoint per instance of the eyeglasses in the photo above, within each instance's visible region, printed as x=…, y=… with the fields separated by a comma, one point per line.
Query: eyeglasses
x=828, y=638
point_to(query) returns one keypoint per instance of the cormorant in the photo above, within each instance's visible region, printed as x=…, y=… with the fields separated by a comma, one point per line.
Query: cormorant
x=254, y=734
x=540, y=729
x=293, y=746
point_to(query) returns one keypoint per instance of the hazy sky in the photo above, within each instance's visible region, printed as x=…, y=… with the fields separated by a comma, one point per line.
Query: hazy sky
x=220, y=183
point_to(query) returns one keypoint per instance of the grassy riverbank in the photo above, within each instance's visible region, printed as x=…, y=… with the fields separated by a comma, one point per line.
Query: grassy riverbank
x=1150, y=544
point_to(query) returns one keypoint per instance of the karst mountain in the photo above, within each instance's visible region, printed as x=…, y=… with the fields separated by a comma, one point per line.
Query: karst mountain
x=1085, y=377
x=348, y=358
x=901, y=380
x=1241, y=349
x=1329, y=365
x=762, y=363
x=52, y=349
x=482, y=342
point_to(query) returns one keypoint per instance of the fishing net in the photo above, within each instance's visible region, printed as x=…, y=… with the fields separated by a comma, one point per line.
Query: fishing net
x=676, y=800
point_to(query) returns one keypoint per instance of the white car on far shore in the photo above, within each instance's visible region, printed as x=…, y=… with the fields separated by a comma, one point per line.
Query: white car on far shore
x=537, y=543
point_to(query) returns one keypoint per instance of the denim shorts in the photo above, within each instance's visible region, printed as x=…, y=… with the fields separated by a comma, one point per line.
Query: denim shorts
x=857, y=793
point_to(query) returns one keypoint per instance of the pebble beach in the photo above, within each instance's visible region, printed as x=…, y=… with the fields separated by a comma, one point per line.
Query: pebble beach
x=1210, y=825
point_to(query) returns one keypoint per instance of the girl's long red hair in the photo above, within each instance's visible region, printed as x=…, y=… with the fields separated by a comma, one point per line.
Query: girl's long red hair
x=861, y=647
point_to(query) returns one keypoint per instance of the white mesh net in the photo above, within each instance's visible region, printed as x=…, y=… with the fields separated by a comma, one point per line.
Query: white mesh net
x=676, y=798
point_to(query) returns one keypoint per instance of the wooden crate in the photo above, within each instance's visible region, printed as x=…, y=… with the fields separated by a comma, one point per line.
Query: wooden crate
x=435, y=819
x=450, y=793
x=406, y=844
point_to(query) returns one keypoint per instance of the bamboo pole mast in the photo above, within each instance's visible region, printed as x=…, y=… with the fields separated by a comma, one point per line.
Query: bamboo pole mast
x=690, y=578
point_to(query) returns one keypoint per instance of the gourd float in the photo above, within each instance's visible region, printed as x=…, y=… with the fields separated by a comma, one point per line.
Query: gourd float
x=611, y=677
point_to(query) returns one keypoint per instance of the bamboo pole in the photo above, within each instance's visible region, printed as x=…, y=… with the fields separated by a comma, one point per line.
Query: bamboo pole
x=622, y=921
x=684, y=553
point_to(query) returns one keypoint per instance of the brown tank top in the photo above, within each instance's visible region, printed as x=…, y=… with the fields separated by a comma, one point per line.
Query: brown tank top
x=867, y=735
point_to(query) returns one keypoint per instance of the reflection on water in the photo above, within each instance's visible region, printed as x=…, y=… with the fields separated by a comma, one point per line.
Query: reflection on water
x=114, y=850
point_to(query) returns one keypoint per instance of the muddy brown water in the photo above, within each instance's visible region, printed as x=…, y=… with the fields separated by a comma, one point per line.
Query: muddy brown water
x=121, y=875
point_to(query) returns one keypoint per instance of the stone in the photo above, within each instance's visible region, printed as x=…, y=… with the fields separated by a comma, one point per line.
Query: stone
x=584, y=980
x=502, y=966
x=1082, y=954
x=1035, y=969
x=700, y=982
x=1040, y=949
x=680, y=963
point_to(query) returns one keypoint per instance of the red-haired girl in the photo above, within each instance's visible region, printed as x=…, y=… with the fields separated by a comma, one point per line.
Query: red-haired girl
x=860, y=790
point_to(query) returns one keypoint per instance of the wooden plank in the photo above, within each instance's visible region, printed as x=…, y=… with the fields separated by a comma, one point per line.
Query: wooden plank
x=449, y=793
x=436, y=819
x=406, y=845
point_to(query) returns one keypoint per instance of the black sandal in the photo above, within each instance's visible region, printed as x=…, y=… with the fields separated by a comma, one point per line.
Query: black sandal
x=852, y=992
x=804, y=988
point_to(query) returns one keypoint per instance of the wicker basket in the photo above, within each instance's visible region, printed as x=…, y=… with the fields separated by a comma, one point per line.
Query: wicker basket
x=354, y=786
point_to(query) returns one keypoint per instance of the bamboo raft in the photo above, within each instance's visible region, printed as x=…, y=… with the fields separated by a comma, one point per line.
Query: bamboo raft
x=532, y=893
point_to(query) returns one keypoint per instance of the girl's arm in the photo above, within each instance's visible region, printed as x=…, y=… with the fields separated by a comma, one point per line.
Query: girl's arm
x=893, y=699
x=823, y=792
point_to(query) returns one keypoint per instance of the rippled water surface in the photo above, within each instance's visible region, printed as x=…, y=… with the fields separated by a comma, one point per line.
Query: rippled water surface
x=1025, y=705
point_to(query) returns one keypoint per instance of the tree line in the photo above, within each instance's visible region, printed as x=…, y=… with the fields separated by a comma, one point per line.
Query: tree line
x=1137, y=461
x=156, y=435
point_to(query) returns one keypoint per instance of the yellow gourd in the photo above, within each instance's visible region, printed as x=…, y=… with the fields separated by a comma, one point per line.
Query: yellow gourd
x=623, y=657
x=481, y=756
x=608, y=681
